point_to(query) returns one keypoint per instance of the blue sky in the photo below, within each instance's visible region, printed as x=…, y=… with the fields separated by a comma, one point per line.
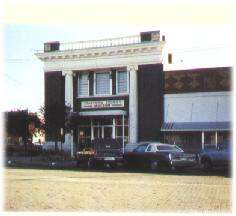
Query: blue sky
x=23, y=73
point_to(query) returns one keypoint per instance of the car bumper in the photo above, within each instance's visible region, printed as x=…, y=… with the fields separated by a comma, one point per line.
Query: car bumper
x=184, y=163
x=109, y=159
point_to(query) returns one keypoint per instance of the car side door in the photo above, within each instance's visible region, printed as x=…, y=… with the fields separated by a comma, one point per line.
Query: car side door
x=151, y=153
x=222, y=156
x=141, y=155
x=137, y=156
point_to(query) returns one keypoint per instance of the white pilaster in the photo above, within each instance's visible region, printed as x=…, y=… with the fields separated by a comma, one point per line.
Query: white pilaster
x=203, y=140
x=69, y=142
x=113, y=128
x=216, y=139
x=92, y=130
x=133, y=103
x=68, y=88
x=72, y=151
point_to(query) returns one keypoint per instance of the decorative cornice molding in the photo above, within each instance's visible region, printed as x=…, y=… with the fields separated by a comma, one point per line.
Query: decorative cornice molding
x=125, y=50
x=105, y=57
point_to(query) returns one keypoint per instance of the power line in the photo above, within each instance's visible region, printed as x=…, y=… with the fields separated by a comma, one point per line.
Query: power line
x=12, y=79
x=19, y=61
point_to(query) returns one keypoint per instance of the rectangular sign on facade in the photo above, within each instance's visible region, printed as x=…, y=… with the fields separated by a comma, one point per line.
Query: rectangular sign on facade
x=102, y=104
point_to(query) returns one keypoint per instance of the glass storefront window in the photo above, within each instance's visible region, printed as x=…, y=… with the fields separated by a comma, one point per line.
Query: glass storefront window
x=119, y=131
x=118, y=121
x=106, y=121
x=209, y=138
x=97, y=132
x=188, y=141
x=107, y=132
x=224, y=136
x=102, y=129
x=84, y=137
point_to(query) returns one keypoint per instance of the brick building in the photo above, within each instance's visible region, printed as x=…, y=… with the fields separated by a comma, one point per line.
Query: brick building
x=117, y=89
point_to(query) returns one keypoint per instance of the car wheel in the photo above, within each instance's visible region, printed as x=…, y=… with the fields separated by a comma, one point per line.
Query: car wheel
x=207, y=166
x=113, y=166
x=154, y=165
x=90, y=164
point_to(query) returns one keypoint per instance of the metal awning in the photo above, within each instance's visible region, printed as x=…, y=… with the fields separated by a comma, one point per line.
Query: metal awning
x=196, y=126
x=103, y=113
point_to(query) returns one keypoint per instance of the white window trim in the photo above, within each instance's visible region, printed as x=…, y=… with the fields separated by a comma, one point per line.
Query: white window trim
x=123, y=93
x=78, y=95
x=94, y=84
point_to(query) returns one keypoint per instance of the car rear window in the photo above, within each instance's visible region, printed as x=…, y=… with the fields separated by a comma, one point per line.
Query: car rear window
x=168, y=148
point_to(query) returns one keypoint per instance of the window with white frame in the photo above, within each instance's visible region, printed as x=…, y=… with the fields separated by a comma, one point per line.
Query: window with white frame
x=103, y=83
x=122, y=82
x=119, y=128
x=83, y=84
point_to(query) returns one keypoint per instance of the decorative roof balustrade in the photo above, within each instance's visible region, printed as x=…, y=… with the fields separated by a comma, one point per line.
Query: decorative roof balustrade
x=135, y=39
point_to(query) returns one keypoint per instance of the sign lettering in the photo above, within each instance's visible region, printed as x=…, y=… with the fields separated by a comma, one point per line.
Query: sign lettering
x=102, y=104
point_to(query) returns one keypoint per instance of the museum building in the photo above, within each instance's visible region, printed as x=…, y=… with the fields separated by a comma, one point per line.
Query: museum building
x=118, y=89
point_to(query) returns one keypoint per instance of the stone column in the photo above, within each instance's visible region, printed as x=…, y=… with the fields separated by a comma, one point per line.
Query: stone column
x=68, y=88
x=113, y=128
x=69, y=143
x=133, y=103
x=203, y=140
x=216, y=139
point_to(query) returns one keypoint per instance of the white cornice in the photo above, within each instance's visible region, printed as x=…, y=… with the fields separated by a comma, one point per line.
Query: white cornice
x=117, y=56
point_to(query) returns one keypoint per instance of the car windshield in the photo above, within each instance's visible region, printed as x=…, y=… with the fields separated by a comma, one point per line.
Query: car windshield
x=141, y=148
x=224, y=146
x=168, y=148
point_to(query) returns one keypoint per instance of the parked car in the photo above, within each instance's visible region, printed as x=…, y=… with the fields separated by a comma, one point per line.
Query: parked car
x=155, y=155
x=219, y=157
x=105, y=152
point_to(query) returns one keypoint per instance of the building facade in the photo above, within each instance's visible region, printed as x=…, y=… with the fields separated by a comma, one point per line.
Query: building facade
x=197, y=104
x=117, y=89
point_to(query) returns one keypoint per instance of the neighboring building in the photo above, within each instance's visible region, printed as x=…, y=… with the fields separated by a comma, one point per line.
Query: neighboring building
x=116, y=88
x=197, y=104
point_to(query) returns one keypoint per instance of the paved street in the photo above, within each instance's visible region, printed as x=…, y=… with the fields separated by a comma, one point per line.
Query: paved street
x=81, y=190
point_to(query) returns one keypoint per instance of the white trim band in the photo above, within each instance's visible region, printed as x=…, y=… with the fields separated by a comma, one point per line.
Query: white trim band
x=103, y=113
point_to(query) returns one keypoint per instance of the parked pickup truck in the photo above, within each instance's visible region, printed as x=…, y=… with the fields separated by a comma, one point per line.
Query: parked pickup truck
x=105, y=152
x=219, y=157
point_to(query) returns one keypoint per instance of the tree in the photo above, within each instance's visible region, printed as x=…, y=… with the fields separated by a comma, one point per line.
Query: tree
x=21, y=123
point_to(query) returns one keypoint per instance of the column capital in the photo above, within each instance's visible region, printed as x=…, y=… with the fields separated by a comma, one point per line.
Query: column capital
x=132, y=67
x=67, y=72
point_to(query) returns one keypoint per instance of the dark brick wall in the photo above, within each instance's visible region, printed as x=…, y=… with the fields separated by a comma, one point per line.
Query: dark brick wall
x=198, y=80
x=150, y=101
x=113, y=76
x=54, y=104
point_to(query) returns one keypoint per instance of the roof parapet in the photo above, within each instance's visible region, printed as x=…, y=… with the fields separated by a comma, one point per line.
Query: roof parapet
x=150, y=36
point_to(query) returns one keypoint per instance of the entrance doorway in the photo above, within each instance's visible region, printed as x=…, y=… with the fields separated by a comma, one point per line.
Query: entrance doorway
x=102, y=128
x=84, y=137
x=102, y=132
x=107, y=132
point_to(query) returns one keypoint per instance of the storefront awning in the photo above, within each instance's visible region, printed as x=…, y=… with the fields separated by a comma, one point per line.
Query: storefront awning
x=196, y=126
x=103, y=113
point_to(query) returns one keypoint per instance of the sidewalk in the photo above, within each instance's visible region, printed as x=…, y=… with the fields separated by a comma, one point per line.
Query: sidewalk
x=39, y=161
